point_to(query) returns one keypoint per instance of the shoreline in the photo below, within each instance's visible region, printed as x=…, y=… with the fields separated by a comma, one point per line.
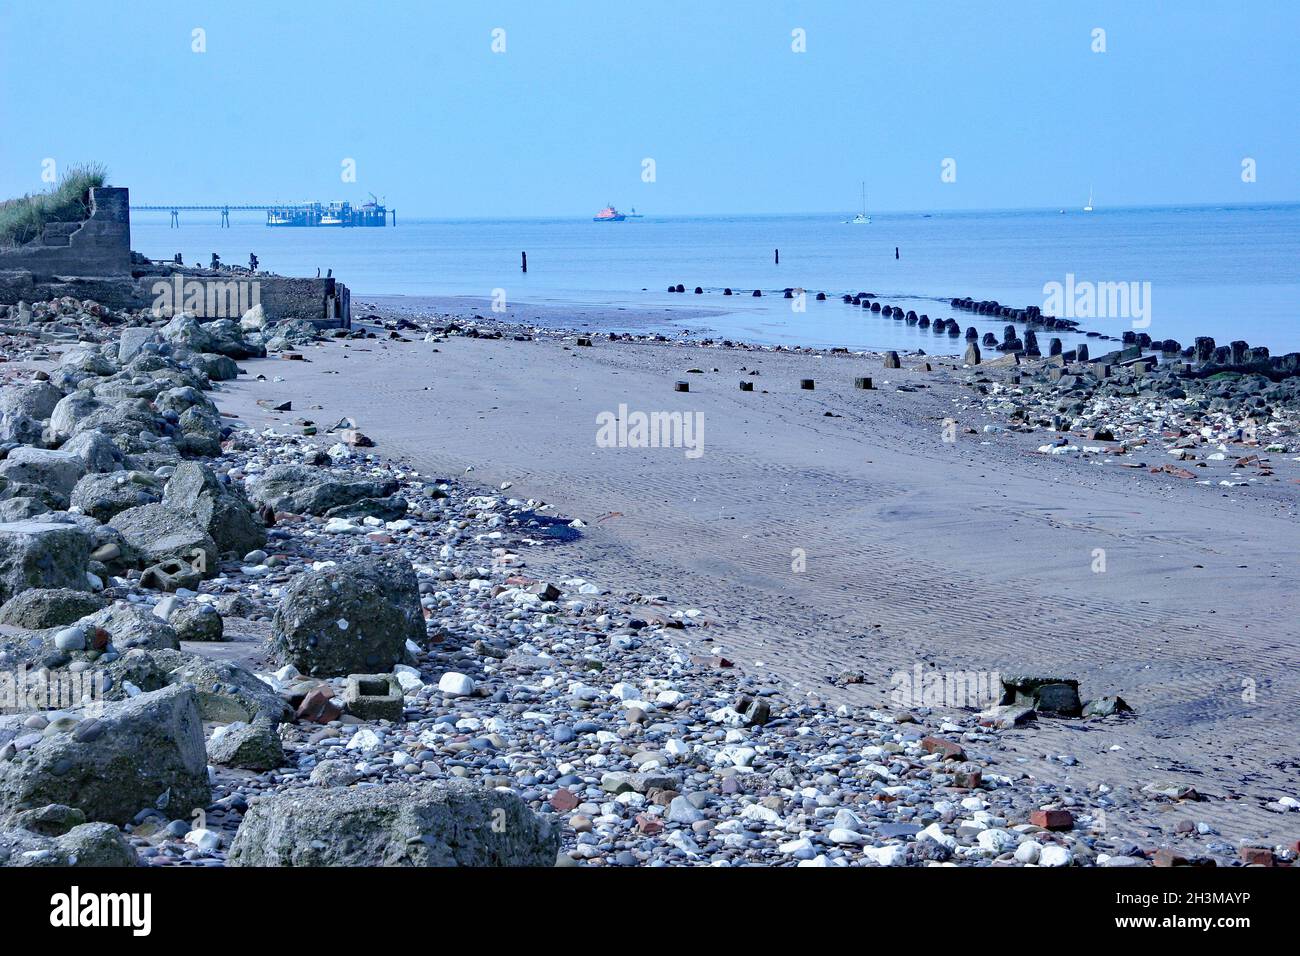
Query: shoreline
x=523, y=396
x=705, y=666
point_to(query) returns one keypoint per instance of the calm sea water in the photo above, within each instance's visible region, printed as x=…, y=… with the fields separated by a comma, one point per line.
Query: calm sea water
x=1230, y=272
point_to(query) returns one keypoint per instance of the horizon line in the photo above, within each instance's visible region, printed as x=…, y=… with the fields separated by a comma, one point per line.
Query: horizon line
x=1054, y=210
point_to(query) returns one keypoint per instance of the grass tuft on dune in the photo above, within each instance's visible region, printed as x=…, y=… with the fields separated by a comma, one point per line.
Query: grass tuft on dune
x=24, y=218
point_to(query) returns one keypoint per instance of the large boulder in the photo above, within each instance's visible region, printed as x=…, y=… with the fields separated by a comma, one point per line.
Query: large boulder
x=223, y=337
x=132, y=340
x=219, y=368
x=49, y=467
x=147, y=752
x=88, y=358
x=220, y=509
x=130, y=626
x=38, y=553
x=96, y=451
x=448, y=823
x=39, y=608
x=302, y=489
x=89, y=845
x=162, y=532
x=70, y=411
x=106, y=495
x=226, y=691
x=200, y=433
x=254, y=746
x=351, y=618
x=23, y=409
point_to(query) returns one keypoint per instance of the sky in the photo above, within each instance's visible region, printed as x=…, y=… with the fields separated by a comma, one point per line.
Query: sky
x=736, y=119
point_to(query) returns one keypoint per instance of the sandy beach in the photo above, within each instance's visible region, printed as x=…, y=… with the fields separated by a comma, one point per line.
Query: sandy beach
x=834, y=532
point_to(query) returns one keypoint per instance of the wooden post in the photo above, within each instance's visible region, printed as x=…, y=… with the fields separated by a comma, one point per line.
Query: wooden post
x=524, y=261
x=776, y=255
x=862, y=383
x=806, y=383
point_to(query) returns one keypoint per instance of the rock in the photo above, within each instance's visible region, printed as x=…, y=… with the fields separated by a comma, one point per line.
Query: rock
x=103, y=496
x=71, y=639
x=53, y=820
x=1006, y=716
x=254, y=320
x=218, y=368
x=972, y=356
x=301, y=489
x=131, y=626
x=1028, y=851
x=90, y=845
x=1098, y=707
x=42, y=554
x=223, y=337
x=50, y=468
x=1054, y=855
x=681, y=810
x=159, y=532
x=96, y=451
x=149, y=753
x=39, y=608
x=71, y=411
x=220, y=510
x=455, y=684
x=254, y=746
x=355, y=617
x=226, y=691
x=448, y=823
x=891, y=360
x=334, y=773
x=198, y=622
x=23, y=408
x=131, y=341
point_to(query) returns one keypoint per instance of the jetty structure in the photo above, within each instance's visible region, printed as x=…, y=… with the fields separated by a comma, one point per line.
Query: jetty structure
x=340, y=213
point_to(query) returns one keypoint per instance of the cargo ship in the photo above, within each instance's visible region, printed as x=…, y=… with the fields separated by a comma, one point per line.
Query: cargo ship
x=341, y=214
x=608, y=214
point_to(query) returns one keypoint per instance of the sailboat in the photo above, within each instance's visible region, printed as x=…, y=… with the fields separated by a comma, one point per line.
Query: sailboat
x=1088, y=208
x=861, y=219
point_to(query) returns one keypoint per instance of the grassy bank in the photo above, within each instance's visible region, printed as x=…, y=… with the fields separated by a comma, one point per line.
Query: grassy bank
x=23, y=219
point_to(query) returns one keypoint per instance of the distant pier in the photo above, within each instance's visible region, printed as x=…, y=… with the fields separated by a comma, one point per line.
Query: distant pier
x=340, y=214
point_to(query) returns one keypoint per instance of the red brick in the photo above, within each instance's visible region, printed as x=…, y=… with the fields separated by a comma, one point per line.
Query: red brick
x=1052, y=819
x=950, y=749
x=564, y=800
x=1256, y=856
x=319, y=707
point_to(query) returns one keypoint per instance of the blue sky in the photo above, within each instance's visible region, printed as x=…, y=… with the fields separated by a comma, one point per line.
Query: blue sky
x=735, y=120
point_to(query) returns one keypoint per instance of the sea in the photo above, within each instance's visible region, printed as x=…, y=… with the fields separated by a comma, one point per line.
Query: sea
x=1231, y=272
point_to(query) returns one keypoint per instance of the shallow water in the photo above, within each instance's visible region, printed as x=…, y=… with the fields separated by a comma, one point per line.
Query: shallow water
x=1230, y=272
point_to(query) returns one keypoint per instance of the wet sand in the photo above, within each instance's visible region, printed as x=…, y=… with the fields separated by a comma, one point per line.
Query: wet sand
x=973, y=555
